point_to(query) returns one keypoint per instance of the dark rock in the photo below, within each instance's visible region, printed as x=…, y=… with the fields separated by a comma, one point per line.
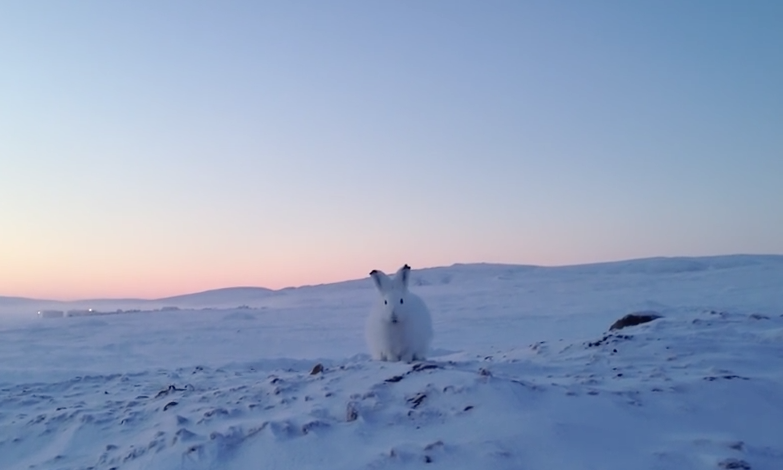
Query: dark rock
x=417, y=399
x=734, y=464
x=422, y=366
x=758, y=316
x=394, y=379
x=171, y=388
x=610, y=338
x=317, y=369
x=351, y=413
x=169, y=405
x=468, y=408
x=724, y=377
x=633, y=319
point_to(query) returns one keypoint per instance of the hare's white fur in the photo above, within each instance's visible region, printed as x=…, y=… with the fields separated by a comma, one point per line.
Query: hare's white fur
x=399, y=327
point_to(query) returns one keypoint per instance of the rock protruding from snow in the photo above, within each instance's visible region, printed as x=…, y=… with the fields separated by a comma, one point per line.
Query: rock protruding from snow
x=734, y=464
x=351, y=412
x=633, y=319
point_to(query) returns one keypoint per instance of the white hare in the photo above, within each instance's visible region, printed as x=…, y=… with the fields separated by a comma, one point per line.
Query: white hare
x=399, y=327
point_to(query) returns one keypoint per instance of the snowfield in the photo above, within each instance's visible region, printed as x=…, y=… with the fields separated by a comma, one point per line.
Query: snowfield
x=524, y=374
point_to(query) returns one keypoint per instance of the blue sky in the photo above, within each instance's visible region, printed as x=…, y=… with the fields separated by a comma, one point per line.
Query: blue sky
x=156, y=148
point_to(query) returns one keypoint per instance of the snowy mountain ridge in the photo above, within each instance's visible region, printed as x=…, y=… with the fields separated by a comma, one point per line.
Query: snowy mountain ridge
x=256, y=296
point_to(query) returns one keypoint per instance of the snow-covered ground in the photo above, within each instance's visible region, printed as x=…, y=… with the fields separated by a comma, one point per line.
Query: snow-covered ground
x=523, y=375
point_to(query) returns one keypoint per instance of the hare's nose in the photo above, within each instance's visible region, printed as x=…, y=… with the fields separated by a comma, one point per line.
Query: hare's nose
x=394, y=318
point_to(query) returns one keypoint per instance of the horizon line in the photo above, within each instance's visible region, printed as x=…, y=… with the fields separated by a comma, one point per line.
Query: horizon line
x=271, y=290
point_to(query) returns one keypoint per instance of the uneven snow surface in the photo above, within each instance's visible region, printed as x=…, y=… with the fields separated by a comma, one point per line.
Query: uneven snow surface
x=523, y=375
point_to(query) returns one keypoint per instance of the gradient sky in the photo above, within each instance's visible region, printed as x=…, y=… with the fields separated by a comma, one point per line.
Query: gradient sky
x=157, y=148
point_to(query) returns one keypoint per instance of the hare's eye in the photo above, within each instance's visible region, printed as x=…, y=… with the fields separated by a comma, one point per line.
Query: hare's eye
x=385, y=302
x=400, y=301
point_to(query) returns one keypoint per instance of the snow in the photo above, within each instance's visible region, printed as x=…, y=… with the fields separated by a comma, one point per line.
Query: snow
x=523, y=374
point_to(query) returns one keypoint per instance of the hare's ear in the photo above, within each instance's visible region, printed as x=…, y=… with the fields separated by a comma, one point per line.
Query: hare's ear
x=401, y=278
x=380, y=279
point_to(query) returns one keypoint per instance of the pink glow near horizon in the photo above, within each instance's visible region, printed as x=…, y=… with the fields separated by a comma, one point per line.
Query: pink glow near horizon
x=164, y=277
x=159, y=283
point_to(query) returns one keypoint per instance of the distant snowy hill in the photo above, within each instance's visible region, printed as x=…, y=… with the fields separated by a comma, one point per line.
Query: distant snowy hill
x=228, y=297
x=458, y=274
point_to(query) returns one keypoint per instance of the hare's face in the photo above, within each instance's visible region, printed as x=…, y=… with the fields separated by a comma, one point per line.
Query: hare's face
x=393, y=305
x=393, y=293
